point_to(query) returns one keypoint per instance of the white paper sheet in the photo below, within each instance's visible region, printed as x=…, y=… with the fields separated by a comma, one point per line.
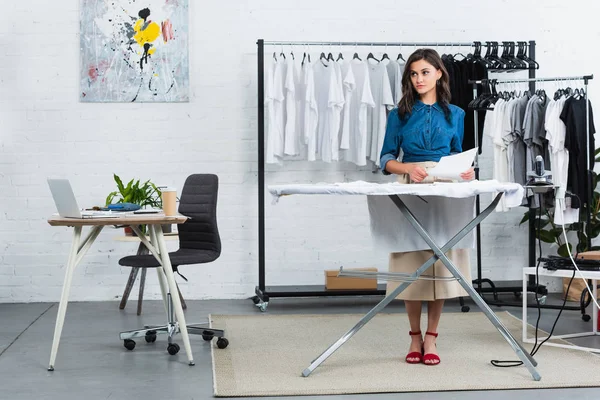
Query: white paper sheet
x=452, y=166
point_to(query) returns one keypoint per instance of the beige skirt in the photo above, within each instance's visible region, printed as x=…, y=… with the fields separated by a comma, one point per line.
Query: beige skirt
x=410, y=261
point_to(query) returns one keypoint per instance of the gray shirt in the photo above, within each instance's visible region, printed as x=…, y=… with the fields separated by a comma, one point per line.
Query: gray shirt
x=535, y=132
x=519, y=147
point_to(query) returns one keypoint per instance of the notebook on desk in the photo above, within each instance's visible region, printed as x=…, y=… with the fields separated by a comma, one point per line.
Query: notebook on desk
x=66, y=204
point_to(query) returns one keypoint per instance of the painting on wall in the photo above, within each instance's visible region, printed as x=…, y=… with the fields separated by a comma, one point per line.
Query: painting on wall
x=134, y=51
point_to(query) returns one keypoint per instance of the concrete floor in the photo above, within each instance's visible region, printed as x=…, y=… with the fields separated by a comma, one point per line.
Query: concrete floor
x=93, y=364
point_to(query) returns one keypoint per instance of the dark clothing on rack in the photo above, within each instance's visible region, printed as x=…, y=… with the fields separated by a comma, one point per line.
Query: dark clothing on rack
x=574, y=117
x=462, y=93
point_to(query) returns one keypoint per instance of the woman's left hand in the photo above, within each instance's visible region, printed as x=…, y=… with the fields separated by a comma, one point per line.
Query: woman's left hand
x=468, y=175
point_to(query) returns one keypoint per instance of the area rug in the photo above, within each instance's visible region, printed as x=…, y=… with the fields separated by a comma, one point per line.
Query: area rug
x=267, y=354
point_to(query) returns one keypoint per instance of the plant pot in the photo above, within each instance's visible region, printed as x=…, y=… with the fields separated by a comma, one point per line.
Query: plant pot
x=167, y=228
x=128, y=231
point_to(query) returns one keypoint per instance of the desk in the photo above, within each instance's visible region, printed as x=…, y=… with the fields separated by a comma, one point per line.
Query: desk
x=156, y=245
x=142, y=250
x=594, y=276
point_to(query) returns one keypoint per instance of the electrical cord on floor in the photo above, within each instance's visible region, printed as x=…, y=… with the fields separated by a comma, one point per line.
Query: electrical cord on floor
x=536, y=347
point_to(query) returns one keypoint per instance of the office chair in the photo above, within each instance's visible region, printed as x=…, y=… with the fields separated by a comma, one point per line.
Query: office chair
x=199, y=243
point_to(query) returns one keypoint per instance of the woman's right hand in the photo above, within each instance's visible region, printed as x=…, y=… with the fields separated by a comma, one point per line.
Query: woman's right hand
x=417, y=173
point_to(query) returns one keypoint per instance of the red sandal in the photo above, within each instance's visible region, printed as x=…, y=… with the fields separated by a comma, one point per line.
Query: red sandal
x=416, y=355
x=431, y=359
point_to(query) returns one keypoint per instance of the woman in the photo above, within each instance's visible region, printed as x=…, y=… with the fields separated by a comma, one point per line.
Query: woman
x=426, y=127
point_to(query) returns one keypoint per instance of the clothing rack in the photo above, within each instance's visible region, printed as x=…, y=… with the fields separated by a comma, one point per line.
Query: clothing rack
x=517, y=286
x=263, y=292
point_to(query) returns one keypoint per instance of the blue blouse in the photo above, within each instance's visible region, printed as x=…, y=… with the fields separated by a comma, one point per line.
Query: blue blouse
x=425, y=135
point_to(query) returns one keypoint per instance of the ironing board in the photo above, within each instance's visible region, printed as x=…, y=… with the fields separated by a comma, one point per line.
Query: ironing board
x=513, y=194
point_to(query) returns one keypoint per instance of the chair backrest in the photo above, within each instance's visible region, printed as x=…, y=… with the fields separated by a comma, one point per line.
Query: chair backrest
x=198, y=201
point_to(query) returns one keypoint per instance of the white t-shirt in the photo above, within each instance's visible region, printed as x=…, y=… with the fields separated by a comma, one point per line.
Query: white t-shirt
x=273, y=102
x=330, y=101
x=395, y=69
x=291, y=145
x=311, y=111
x=360, y=103
x=279, y=105
x=382, y=96
x=349, y=86
x=337, y=117
x=493, y=128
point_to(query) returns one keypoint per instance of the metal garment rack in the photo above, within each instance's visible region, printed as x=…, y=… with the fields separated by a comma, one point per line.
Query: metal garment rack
x=263, y=292
x=533, y=286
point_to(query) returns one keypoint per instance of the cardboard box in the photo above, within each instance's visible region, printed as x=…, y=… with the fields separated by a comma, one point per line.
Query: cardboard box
x=333, y=282
x=589, y=255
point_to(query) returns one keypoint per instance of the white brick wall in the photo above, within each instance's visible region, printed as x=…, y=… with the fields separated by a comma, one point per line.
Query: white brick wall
x=45, y=131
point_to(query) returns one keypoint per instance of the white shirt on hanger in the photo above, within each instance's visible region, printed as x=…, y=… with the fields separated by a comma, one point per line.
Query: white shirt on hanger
x=330, y=101
x=349, y=87
x=493, y=127
x=382, y=96
x=337, y=117
x=360, y=103
x=273, y=100
x=395, y=69
x=556, y=131
x=279, y=105
x=311, y=111
x=291, y=145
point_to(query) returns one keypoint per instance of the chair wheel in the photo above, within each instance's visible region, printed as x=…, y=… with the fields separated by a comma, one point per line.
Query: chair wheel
x=208, y=335
x=255, y=299
x=173, y=348
x=129, y=344
x=465, y=308
x=222, y=343
x=150, y=337
x=586, y=317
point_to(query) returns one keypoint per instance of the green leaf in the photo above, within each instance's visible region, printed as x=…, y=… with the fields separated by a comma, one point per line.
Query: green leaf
x=595, y=229
x=562, y=250
x=110, y=197
x=546, y=236
x=119, y=183
x=543, y=222
x=525, y=218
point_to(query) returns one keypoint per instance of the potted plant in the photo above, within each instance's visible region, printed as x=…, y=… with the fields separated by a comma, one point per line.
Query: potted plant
x=143, y=194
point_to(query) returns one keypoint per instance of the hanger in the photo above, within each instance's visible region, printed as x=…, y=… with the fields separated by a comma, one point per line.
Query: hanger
x=305, y=57
x=274, y=56
x=282, y=54
x=324, y=60
x=458, y=53
x=356, y=57
x=400, y=56
x=523, y=56
x=372, y=57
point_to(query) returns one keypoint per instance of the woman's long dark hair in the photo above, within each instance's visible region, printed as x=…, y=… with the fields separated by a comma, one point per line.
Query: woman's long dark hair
x=409, y=93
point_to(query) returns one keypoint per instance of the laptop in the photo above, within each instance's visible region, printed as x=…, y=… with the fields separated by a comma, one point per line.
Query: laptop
x=66, y=204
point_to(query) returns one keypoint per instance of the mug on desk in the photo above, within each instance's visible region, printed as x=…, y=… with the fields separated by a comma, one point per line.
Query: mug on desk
x=169, y=201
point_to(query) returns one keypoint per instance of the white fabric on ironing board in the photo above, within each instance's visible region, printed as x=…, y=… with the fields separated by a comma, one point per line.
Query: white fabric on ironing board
x=442, y=208
x=513, y=192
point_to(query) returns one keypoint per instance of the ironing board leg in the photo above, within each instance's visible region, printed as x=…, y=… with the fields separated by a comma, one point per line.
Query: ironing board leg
x=451, y=243
x=523, y=355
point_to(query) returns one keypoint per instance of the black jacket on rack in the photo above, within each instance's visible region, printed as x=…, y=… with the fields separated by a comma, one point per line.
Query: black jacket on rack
x=460, y=72
x=573, y=115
